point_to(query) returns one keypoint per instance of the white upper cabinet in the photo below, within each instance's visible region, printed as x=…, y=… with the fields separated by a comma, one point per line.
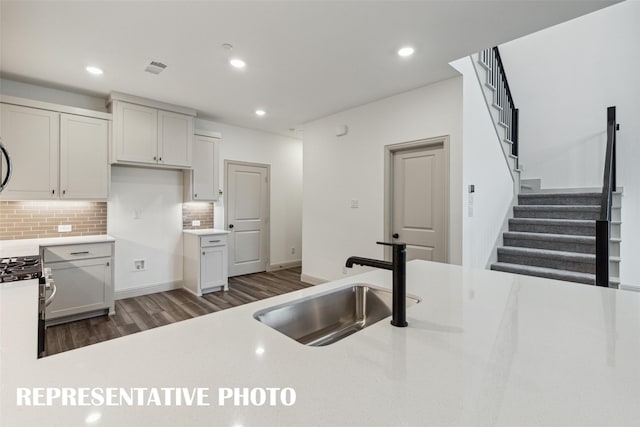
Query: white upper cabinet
x=55, y=155
x=175, y=133
x=31, y=137
x=84, y=157
x=150, y=132
x=201, y=183
x=136, y=133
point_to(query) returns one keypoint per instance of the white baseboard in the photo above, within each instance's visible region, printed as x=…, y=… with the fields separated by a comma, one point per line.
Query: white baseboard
x=147, y=289
x=284, y=265
x=312, y=280
x=634, y=288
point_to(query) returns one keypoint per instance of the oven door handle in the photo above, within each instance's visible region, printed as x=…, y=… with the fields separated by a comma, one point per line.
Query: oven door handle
x=52, y=296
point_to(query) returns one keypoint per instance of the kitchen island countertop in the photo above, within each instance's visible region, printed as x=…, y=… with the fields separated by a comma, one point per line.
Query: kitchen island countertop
x=482, y=348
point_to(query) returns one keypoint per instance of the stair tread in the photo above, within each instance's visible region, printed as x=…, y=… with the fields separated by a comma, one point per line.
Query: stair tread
x=536, y=194
x=547, y=253
x=559, y=221
x=545, y=272
x=563, y=207
x=550, y=236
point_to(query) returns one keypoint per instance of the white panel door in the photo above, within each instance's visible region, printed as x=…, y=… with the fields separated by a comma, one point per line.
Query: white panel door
x=419, y=203
x=247, y=217
x=32, y=138
x=84, y=161
x=175, y=139
x=136, y=133
x=205, y=168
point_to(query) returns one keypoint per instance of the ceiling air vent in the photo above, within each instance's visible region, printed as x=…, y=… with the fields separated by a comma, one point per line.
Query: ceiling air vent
x=155, y=67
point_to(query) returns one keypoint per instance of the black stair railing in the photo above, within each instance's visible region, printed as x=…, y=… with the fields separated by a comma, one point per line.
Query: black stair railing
x=503, y=98
x=603, y=225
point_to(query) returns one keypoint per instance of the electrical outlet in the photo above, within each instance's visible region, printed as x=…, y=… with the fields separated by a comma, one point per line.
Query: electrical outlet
x=138, y=264
x=195, y=223
x=64, y=228
x=354, y=204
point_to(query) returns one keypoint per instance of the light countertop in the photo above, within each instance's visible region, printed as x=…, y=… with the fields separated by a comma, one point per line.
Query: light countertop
x=24, y=247
x=206, y=231
x=482, y=348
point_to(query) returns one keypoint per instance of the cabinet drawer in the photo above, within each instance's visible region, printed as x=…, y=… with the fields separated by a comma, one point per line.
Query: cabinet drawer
x=215, y=240
x=73, y=252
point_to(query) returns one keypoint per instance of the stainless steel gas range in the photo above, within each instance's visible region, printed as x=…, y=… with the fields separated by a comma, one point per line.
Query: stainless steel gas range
x=27, y=268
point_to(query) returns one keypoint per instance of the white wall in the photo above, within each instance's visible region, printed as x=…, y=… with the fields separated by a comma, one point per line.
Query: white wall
x=144, y=214
x=284, y=154
x=339, y=169
x=55, y=96
x=563, y=79
x=485, y=167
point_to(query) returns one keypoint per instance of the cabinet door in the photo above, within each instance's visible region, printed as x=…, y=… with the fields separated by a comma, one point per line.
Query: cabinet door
x=31, y=138
x=84, y=162
x=136, y=133
x=205, y=168
x=175, y=139
x=213, y=267
x=82, y=286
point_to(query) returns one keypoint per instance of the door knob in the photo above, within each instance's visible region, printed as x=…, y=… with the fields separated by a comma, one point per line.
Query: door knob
x=395, y=235
x=230, y=225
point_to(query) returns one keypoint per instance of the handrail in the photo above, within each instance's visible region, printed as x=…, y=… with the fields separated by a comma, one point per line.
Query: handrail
x=603, y=224
x=497, y=78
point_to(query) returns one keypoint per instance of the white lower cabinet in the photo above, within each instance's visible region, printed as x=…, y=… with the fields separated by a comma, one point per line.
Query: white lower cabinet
x=205, y=263
x=83, y=275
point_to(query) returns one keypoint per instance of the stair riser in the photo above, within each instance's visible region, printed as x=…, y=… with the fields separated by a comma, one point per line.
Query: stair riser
x=584, y=248
x=576, y=230
x=568, y=200
x=548, y=262
x=546, y=275
x=523, y=212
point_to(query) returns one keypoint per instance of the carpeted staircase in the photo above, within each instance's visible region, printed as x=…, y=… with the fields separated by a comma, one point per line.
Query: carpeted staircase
x=552, y=235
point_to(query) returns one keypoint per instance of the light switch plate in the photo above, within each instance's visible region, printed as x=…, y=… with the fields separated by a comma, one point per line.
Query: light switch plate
x=64, y=228
x=195, y=223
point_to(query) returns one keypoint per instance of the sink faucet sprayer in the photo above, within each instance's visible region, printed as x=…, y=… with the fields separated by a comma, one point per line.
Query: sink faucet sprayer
x=398, y=265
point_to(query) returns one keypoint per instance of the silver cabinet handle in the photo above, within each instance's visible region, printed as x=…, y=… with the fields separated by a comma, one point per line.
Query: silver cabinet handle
x=214, y=241
x=79, y=253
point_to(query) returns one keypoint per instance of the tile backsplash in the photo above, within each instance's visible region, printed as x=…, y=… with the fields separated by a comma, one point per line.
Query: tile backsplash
x=201, y=211
x=37, y=219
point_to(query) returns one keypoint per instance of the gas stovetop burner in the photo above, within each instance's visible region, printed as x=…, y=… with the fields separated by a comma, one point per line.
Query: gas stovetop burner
x=20, y=268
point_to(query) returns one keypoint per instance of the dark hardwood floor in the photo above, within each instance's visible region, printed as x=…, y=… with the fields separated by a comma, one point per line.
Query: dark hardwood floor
x=150, y=311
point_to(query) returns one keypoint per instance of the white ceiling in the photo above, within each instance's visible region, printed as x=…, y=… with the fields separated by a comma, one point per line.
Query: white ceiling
x=305, y=59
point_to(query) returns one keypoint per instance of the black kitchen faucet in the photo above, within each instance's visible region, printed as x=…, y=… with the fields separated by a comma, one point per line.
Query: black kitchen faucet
x=398, y=265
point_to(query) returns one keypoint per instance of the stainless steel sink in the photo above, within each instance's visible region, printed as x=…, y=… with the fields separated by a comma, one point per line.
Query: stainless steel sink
x=326, y=318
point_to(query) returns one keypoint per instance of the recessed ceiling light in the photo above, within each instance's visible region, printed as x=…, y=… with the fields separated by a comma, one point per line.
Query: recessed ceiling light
x=237, y=63
x=260, y=113
x=94, y=70
x=406, y=51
